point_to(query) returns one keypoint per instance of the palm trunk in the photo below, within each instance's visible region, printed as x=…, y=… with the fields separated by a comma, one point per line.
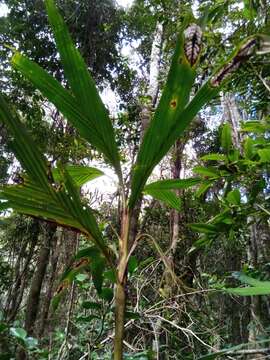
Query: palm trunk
x=120, y=294
x=129, y=223
x=120, y=302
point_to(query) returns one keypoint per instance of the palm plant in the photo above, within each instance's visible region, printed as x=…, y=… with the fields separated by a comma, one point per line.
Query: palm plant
x=53, y=194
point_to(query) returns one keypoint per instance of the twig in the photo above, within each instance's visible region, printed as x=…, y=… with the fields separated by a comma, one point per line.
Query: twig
x=249, y=351
x=184, y=330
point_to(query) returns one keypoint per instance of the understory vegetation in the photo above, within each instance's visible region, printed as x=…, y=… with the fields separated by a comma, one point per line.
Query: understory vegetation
x=134, y=180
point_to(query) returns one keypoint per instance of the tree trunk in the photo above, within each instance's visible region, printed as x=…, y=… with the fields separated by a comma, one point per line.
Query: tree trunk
x=255, y=326
x=32, y=305
x=54, y=260
x=16, y=293
x=232, y=115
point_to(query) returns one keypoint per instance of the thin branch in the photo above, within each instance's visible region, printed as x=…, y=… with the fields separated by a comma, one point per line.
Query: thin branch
x=184, y=330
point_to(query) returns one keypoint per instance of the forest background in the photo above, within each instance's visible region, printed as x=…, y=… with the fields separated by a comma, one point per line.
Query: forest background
x=194, y=242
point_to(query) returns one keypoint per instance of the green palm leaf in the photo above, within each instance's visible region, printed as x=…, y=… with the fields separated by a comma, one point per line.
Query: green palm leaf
x=173, y=100
x=162, y=190
x=61, y=205
x=24, y=148
x=166, y=196
x=173, y=115
x=64, y=101
x=172, y=184
x=41, y=195
x=35, y=203
x=83, y=86
x=257, y=287
x=79, y=174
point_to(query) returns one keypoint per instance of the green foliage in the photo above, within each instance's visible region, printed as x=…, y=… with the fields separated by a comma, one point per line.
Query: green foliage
x=53, y=193
x=228, y=169
x=226, y=138
x=79, y=174
x=91, y=262
x=257, y=287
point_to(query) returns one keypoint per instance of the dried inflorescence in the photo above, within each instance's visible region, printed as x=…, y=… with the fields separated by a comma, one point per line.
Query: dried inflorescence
x=193, y=43
x=242, y=55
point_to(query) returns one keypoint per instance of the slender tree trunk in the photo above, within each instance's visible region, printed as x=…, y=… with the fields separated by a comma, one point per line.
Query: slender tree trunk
x=33, y=301
x=15, y=295
x=233, y=116
x=255, y=326
x=34, y=293
x=54, y=260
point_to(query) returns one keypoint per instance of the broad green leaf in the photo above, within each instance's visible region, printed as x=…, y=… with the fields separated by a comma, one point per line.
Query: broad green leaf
x=82, y=85
x=223, y=217
x=234, y=197
x=226, y=138
x=18, y=332
x=203, y=241
x=111, y=276
x=249, y=150
x=249, y=280
x=61, y=98
x=91, y=252
x=167, y=196
x=132, y=264
x=173, y=100
x=82, y=261
x=91, y=305
x=257, y=287
x=39, y=197
x=80, y=174
x=61, y=205
x=173, y=114
x=24, y=148
x=215, y=157
x=233, y=155
x=203, y=188
x=87, y=319
x=81, y=277
x=97, y=269
x=106, y=294
x=264, y=155
x=254, y=126
x=69, y=198
x=204, y=228
x=209, y=172
x=3, y=327
x=35, y=202
x=249, y=291
x=172, y=184
x=132, y=315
